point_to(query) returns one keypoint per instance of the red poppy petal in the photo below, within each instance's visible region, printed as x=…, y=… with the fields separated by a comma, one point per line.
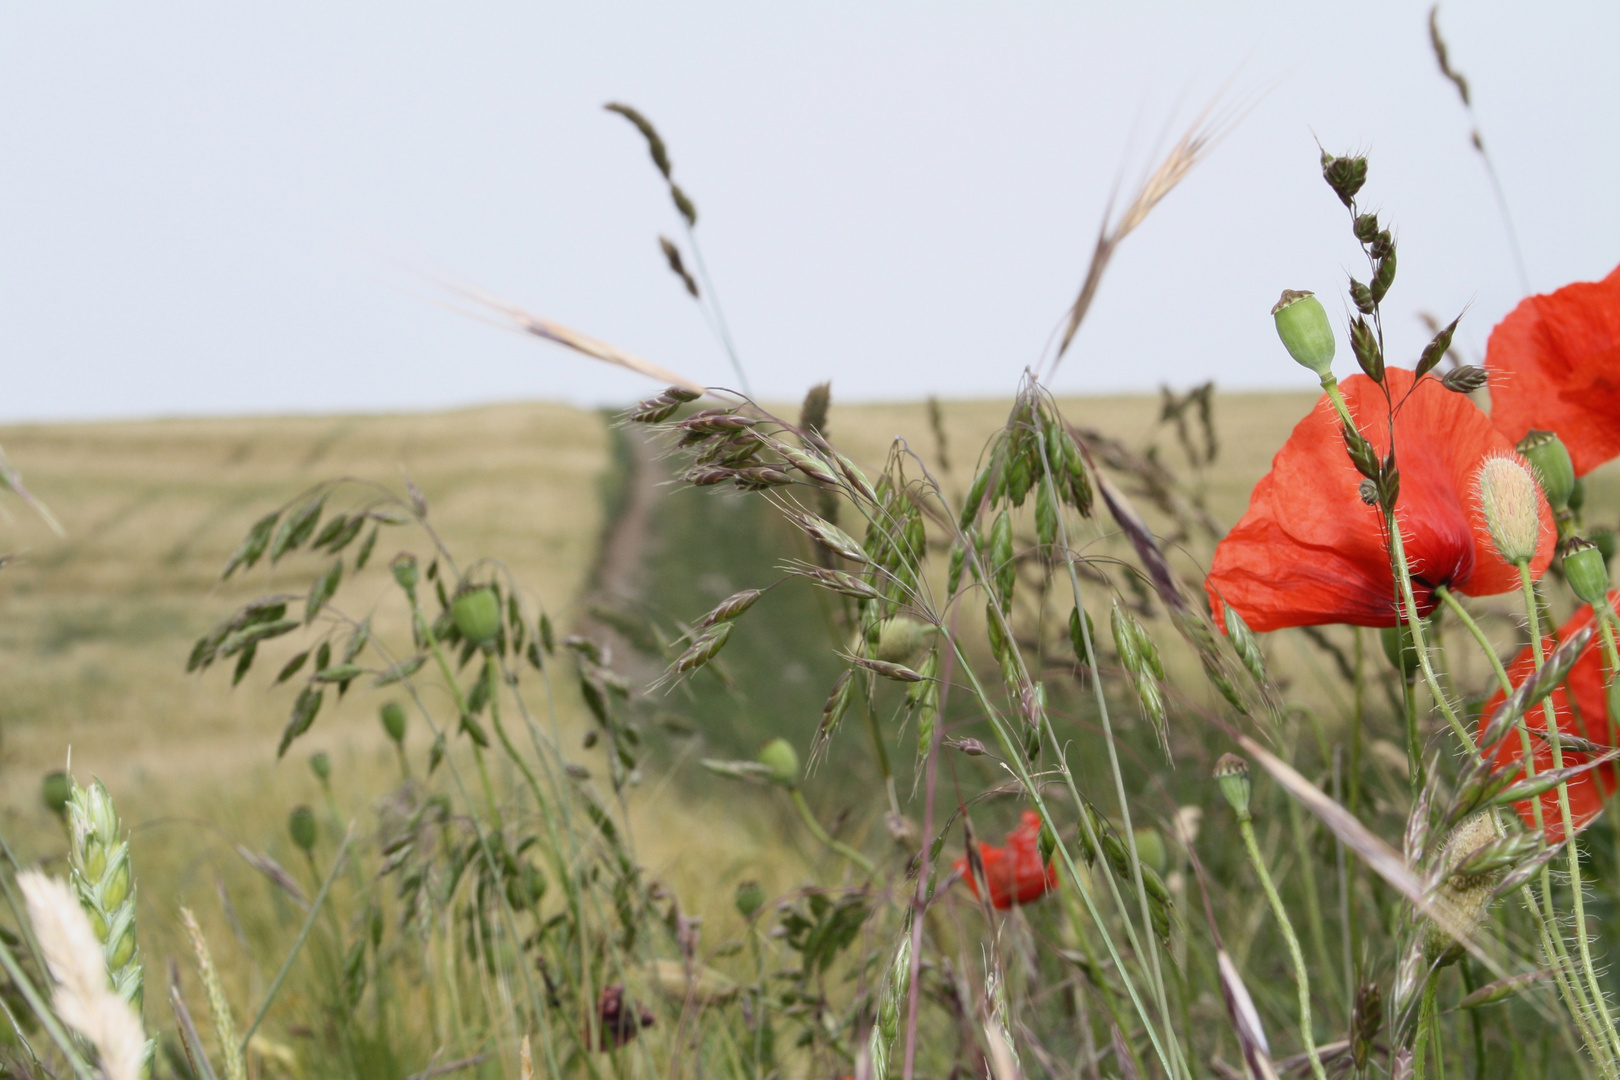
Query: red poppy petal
x=1555, y=364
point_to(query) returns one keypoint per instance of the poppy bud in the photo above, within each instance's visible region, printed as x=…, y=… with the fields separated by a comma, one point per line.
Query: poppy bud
x=1547, y=453
x=477, y=614
x=1232, y=774
x=301, y=827
x=56, y=790
x=321, y=766
x=1150, y=850
x=900, y=639
x=1397, y=641
x=1303, y=326
x=1463, y=897
x=1577, y=496
x=1507, y=495
x=1588, y=574
x=750, y=898
x=1604, y=539
x=405, y=571
x=782, y=760
x=392, y=716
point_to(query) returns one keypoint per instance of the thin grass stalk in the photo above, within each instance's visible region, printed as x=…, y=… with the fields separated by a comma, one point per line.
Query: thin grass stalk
x=1108, y=740
x=46, y=1016
x=1578, y=901
x=1296, y=956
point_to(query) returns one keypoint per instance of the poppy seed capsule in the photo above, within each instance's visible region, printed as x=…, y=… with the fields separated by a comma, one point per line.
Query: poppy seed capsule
x=321, y=766
x=750, y=898
x=301, y=827
x=477, y=614
x=1232, y=774
x=1586, y=571
x=1549, y=456
x=782, y=760
x=405, y=572
x=1303, y=325
x=1507, y=496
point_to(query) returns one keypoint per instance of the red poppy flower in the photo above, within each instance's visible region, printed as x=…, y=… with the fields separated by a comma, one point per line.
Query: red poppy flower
x=1555, y=365
x=1015, y=873
x=1582, y=705
x=1308, y=551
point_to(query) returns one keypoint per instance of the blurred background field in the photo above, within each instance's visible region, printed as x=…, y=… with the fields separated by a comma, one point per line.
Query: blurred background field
x=95, y=627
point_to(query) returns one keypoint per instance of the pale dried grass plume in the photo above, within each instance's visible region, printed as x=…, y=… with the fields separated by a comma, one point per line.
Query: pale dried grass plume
x=83, y=998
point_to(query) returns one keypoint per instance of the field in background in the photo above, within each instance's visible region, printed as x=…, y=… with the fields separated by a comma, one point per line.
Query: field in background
x=95, y=628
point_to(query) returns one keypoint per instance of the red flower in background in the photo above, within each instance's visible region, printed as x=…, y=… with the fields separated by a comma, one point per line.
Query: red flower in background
x=1015, y=873
x=1554, y=364
x=1583, y=710
x=1308, y=551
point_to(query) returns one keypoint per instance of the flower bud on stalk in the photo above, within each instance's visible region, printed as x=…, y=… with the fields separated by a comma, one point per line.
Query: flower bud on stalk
x=1547, y=453
x=56, y=790
x=1586, y=571
x=1232, y=774
x=1462, y=898
x=392, y=716
x=301, y=827
x=477, y=614
x=782, y=760
x=1303, y=326
x=1507, y=495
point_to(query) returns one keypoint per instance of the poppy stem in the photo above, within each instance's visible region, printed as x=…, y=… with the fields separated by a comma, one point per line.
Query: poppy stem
x=824, y=837
x=1301, y=975
x=1598, y=1002
x=1451, y=601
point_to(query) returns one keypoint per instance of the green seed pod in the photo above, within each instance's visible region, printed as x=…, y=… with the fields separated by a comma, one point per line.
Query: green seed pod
x=1507, y=496
x=1605, y=541
x=1548, y=455
x=1586, y=571
x=321, y=765
x=1398, y=648
x=782, y=760
x=1232, y=774
x=301, y=827
x=1126, y=641
x=1002, y=566
x=1577, y=496
x=392, y=716
x=477, y=614
x=749, y=898
x=1244, y=641
x=1150, y=849
x=1303, y=326
x=405, y=571
x=900, y=639
x=56, y=790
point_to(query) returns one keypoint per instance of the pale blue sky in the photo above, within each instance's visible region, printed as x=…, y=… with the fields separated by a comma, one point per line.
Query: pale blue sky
x=221, y=208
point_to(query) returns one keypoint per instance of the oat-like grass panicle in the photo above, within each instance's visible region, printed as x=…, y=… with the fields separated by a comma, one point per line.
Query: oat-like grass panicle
x=1193, y=146
x=512, y=317
x=84, y=997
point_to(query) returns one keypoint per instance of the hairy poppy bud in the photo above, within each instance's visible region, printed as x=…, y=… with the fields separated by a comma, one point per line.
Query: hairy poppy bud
x=301, y=827
x=782, y=760
x=1232, y=774
x=1588, y=574
x=56, y=790
x=321, y=766
x=1303, y=325
x=1547, y=453
x=392, y=716
x=1507, y=495
x=477, y=614
x=750, y=898
x=1462, y=897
